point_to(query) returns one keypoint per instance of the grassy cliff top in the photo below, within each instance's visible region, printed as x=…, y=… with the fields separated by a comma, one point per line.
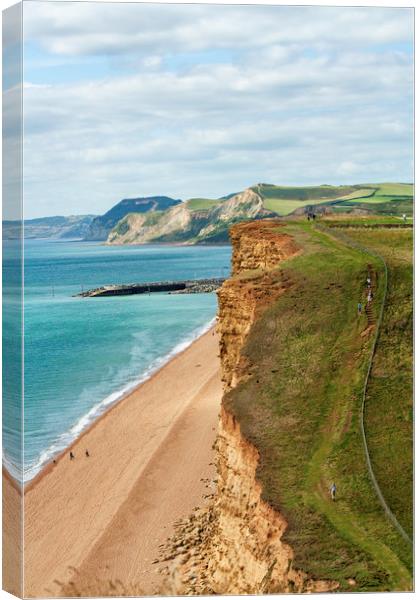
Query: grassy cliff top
x=301, y=407
x=195, y=204
x=284, y=200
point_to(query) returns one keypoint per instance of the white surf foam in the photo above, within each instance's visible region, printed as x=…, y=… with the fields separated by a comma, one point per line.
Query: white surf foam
x=67, y=438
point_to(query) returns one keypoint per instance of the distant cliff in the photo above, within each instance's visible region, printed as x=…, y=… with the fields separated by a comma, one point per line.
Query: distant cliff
x=188, y=224
x=101, y=226
x=73, y=227
x=161, y=219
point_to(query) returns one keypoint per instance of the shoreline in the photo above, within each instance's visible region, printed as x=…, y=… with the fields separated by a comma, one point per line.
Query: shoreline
x=102, y=518
x=174, y=244
x=16, y=485
x=27, y=485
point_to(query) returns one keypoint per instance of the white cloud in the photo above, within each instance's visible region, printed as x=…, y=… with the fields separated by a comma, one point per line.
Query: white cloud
x=85, y=28
x=347, y=167
x=304, y=95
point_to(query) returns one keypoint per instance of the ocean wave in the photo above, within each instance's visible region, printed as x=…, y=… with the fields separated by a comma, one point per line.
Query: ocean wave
x=68, y=437
x=13, y=470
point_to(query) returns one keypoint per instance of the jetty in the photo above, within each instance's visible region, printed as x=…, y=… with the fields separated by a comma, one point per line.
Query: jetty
x=186, y=286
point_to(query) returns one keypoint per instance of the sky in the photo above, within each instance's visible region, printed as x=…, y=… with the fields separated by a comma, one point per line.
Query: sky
x=127, y=100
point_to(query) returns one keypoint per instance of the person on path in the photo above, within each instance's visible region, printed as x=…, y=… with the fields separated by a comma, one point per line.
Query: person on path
x=368, y=281
x=333, y=491
x=370, y=296
x=359, y=308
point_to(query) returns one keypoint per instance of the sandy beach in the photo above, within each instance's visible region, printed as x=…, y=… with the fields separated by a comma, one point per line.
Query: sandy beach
x=106, y=515
x=12, y=535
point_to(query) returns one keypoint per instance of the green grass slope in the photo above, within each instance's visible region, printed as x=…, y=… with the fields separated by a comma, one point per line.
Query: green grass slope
x=301, y=408
x=395, y=189
x=195, y=204
x=285, y=200
x=389, y=407
x=381, y=198
x=392, y=199
x=370, y=220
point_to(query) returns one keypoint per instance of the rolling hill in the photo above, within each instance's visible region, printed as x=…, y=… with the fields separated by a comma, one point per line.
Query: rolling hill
x=206, y=221
x=102, y=225
x=161, y=219
x=197, y=221
x=73, y=227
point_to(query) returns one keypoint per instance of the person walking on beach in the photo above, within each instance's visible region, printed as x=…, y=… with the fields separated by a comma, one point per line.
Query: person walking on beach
x=333, y=491
x=87, y=453
x=71, y=455
x=359, y=308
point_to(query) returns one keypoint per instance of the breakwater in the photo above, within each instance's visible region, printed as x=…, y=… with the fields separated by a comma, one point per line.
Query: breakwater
x=187, y=286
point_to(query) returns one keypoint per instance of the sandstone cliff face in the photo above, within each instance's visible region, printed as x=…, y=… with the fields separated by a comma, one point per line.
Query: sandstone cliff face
x=260, y=246
x=256, y=246
x=102, y=225
x=235, y=545
x=240, y=300
x=177, y=222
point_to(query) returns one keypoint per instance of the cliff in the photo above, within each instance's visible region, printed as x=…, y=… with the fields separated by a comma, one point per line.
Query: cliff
x=204, y=221
x=256, y=247
x=178, y=224
x=101, y=226
x=72, y=227
x=184, y=223
x=235, y=546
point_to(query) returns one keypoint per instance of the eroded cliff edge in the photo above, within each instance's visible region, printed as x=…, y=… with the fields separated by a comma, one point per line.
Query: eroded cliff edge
x=235, y=545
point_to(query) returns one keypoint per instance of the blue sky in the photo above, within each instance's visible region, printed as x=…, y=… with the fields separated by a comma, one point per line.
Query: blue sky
x=125, y=100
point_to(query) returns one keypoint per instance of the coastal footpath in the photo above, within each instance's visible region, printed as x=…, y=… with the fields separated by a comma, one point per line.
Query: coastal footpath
x=294, y=354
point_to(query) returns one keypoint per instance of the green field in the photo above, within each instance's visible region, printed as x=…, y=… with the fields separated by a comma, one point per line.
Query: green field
x=389, y=408
x=374, y=199
x=309, y=193
x=301, y=408
x=285, y=200
x=387, y=199
x=201, y=204
x=392, y=208
x=370, y=220
x=360, y=193
x=394, y=189
x=284, y=207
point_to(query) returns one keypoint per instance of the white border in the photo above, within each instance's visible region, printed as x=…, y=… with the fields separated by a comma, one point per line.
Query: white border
x=378, y=3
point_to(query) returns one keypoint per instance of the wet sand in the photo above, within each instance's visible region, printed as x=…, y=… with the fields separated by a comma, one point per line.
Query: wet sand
x=105, y=515
x=12, y=535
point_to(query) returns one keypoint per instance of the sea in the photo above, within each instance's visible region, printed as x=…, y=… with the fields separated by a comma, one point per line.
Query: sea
x=82, y=355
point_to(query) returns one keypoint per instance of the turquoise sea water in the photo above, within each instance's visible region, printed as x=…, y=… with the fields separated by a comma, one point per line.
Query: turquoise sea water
x=82, y=354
